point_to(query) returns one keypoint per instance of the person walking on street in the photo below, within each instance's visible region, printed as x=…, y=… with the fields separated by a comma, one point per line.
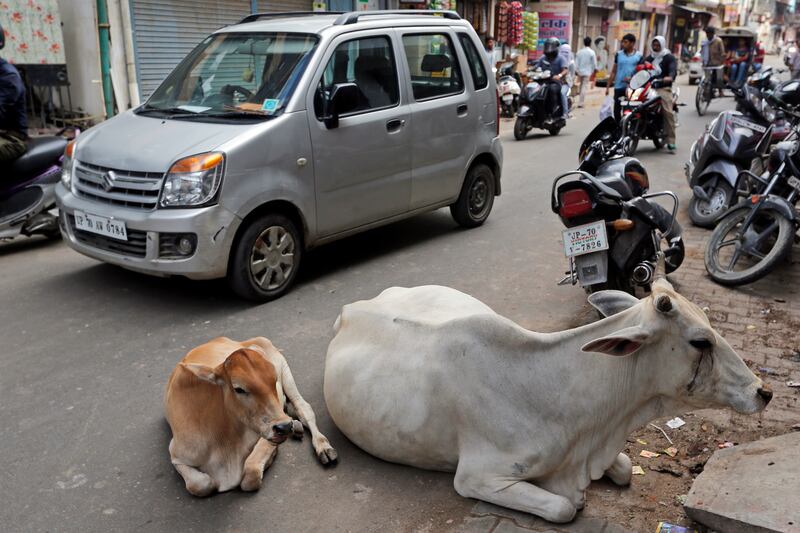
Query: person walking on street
x=13, y=120
x=625, y=62
x=492, y=54
x=586, y=65
x=666, y=69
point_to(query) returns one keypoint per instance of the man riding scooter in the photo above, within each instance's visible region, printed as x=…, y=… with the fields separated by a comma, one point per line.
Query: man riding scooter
x=553, y=61
x=665, y=70
x=13, y=121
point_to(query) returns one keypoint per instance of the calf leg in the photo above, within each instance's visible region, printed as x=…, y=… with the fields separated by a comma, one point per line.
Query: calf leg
x=198, y=483
x=260, y=458
x=514, y=494
x=621, y=470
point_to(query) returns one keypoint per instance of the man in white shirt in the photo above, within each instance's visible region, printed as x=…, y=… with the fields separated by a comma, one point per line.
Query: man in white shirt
x=493, y=54
x=586, y=65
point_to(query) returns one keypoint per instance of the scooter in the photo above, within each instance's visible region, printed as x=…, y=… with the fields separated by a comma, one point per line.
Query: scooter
x=615, y=229
x=540, y=105
x=508, y=89
x=27, y=191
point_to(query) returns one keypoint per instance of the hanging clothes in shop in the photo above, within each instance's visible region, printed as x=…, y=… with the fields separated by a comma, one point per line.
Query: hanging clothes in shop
x=515, y=29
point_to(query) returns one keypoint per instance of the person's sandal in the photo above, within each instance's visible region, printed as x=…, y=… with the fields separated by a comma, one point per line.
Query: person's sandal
x=671, y=148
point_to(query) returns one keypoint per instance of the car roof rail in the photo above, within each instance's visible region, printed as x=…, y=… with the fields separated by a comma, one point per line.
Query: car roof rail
x=353, y=16
x=258, y=16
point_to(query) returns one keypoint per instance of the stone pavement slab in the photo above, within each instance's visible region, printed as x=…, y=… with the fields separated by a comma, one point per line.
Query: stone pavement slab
x=527, y=522
x=751, y=488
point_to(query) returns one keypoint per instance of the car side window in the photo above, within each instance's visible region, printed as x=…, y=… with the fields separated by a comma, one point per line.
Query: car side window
x=367, y=62
x=433, y=65
x=475, y=61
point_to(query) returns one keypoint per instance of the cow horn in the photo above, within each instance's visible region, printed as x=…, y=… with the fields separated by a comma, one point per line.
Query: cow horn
x=661, y=267
x=663, y=303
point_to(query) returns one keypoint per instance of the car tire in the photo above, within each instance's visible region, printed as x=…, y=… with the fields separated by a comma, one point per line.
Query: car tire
x=274, y=242
x=476, y=198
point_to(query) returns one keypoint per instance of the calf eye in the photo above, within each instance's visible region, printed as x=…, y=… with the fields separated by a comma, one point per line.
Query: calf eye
x=701, y=344
x=239, y=390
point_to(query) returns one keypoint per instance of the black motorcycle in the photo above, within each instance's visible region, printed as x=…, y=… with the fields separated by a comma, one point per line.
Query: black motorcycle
x=614, y=226
x=733, y=142
x=540, y=105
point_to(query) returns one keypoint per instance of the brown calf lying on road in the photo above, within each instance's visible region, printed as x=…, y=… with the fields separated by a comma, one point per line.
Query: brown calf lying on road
x=226, y=406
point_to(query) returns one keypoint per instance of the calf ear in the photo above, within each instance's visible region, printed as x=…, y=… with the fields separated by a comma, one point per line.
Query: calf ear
x=206, y=373
x=612, y=302
x=623, y=342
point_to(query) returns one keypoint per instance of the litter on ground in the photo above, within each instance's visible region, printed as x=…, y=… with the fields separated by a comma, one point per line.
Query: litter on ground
x=675, y=423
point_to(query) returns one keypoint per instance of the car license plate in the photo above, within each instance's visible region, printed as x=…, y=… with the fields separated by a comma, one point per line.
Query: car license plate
x=101, y=225
x=794, y=182
x=585, y=239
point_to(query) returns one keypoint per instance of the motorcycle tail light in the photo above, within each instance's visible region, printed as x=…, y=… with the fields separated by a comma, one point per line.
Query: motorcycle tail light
x=575, y=203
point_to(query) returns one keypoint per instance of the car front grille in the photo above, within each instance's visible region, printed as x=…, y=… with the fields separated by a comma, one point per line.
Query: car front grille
x=138, y=190
x=135, y=246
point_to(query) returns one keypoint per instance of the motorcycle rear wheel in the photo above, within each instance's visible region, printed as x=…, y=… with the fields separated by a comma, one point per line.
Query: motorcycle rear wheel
x=520, y=129
x=769, y=224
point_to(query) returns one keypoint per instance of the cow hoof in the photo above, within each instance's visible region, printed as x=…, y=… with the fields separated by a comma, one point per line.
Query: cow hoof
x=251, y=482
x=297, y=429
x=328, y=456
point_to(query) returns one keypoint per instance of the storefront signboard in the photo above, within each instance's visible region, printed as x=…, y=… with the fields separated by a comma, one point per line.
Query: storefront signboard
x=555, y=20
x=627, y=26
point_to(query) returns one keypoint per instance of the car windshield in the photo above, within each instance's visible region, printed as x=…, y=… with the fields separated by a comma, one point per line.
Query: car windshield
x=233, y=75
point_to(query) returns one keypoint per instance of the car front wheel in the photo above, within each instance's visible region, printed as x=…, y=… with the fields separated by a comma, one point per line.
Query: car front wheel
x=476, y=198
x=266, y=258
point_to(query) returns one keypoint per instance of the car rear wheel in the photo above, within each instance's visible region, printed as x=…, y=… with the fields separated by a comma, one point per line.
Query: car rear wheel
x=476, y=198
x=265, y=259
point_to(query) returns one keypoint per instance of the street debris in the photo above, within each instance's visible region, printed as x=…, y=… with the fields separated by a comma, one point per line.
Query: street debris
x=751, y=327
x=796, y=427
x=681, y=498
x=642, y=442
x=768, y=371
x=675, y=423
x=638, y=470
x=671, y=451
x=648, y=454
x=667, y=469
x=793, y=384
x=723, y=445
x=666, y=527
x=780, y=300
x=794, y=356
x=663, y=433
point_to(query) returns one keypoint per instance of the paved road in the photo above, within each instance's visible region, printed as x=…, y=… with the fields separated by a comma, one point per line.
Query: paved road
x=87, y=348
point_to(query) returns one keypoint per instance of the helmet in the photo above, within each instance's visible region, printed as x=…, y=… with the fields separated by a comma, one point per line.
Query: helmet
x=787, y=95
x=551, y=46
x=2, y=37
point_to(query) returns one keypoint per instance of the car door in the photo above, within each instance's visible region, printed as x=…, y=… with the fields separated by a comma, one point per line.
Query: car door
x=442, y=117
x=362, y=168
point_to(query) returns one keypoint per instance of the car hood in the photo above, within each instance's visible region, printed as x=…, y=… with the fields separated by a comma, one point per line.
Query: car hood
x=148, y=144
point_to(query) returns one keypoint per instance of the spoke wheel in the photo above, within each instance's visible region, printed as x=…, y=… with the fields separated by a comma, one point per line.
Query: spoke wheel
x=737, y=254
x=265, y=258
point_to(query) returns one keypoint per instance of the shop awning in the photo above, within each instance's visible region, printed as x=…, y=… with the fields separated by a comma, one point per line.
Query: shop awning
x=695, y=10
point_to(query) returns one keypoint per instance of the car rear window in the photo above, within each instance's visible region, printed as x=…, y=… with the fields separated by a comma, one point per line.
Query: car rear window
x=433, y=64
x=475, y=62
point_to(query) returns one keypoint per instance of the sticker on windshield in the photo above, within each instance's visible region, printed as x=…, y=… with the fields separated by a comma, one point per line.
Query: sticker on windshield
x=270, y=105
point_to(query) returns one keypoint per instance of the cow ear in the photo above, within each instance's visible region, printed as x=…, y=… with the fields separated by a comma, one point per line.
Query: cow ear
x=612, y=302
x=206, y=373
x=623, y=342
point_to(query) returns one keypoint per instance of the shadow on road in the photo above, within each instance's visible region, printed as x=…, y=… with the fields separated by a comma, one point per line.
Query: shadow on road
x=22, y=244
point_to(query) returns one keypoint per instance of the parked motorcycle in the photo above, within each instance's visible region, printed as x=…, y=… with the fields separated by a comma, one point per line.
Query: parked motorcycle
x=27, y=190
x=734, y=141
x=540, y=105
x=508, y=89
x=614, y=226
x=641, y=111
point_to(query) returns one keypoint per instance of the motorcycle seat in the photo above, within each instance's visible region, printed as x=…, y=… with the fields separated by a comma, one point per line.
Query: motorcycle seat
x=43, y=152
x=616, y=182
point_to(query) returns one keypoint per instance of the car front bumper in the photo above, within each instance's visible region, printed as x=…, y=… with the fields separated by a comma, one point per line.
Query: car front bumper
x=214, y=226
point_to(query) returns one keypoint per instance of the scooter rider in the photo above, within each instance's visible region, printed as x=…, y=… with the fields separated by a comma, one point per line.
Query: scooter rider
x=13, y=121
x=552, y=61
x=665, y=71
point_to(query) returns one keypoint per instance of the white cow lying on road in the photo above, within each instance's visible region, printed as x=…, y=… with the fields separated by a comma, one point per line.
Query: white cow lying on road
x=433, y=378
x=225, y=404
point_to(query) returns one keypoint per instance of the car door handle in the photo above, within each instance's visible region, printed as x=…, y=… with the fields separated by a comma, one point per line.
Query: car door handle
x=462, y=110
x=395, y=125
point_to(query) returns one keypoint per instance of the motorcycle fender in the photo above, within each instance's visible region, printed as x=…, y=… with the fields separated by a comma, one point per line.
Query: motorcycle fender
x=730, y=171
x=592, y=268
x=781, y=205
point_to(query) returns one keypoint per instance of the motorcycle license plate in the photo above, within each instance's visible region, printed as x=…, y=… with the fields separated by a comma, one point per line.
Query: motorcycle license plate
x=101, y=225
x=585, y=239
x=507, y=98
x=794, y=182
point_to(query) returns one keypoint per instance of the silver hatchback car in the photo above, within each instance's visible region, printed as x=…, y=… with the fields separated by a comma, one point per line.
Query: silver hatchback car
x=284, y=132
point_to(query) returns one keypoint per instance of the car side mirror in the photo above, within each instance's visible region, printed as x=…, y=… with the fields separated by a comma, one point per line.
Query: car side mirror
x=343, y=98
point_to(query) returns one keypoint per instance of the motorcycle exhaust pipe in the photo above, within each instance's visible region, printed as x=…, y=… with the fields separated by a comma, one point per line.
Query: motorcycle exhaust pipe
x=643, y=273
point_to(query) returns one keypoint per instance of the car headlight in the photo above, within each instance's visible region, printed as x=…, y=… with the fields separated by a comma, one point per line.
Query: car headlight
x=193, y=181
x=67, y=163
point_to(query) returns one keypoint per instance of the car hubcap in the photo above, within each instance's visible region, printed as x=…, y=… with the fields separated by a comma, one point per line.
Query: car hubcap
x=478, y=197
x=272, y=258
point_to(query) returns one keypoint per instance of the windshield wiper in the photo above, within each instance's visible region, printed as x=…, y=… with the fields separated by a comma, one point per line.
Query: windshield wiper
x=223, y=114
x=171, y=111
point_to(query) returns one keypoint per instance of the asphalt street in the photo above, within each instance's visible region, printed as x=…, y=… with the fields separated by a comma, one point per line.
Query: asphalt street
x=87, y=349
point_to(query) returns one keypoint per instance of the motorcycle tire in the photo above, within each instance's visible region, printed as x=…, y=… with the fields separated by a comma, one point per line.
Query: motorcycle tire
x=778, y=251
x=554, y=130
x=704, y=215
x=659, y=141
x=520, y=129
